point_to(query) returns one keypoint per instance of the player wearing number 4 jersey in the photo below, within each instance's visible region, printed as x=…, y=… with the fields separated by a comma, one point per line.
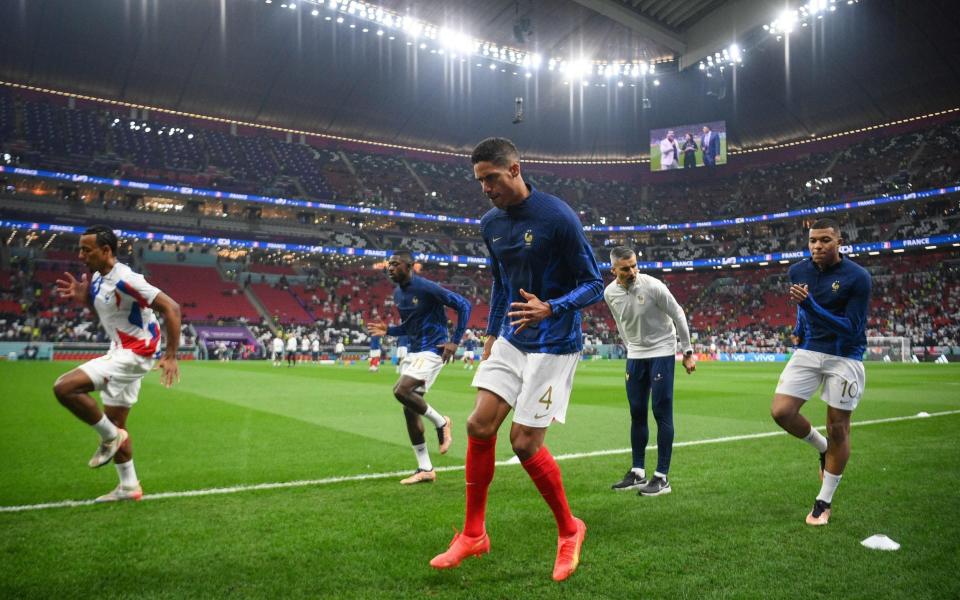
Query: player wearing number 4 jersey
x=543, y=273
x=832, y=294
x=126, y=305
x=421, y=304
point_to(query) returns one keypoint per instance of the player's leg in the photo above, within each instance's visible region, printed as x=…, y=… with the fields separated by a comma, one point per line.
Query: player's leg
x=638, y=391
x=798, y=382
x=419, y=373
x=660, y=375
x=842, y=390
x=488, y=414
x=129, y=486
x=498, y=381
x=72, y=390
x=424, y=472
x=544, y=396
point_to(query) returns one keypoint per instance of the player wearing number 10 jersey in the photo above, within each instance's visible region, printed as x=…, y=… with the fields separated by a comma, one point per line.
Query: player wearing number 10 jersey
x=543, y=272
x=832, y=294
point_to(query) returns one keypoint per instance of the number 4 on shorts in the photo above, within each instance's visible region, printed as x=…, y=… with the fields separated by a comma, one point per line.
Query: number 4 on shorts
x=546, y=398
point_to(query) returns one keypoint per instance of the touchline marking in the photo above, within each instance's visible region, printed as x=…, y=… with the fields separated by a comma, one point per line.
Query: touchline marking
x=329, y=480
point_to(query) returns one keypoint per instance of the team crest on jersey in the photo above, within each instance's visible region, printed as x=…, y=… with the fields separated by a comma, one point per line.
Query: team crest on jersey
x=416, y=301
x=836, y=286
x=628, y=376
x=528, y=237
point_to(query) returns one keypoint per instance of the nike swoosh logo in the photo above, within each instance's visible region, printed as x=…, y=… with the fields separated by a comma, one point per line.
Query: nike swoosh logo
x=496, y=239
x=540, y=416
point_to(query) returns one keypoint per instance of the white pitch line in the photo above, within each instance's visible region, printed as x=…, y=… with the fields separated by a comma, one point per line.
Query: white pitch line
x=328, y=480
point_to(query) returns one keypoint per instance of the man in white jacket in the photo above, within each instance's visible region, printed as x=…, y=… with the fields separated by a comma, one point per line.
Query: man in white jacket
x=648, y=318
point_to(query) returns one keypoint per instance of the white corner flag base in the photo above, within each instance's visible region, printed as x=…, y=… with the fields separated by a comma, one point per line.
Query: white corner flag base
x=880, y=542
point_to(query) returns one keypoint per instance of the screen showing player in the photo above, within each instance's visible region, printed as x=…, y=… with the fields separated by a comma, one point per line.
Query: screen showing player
x=688, y=146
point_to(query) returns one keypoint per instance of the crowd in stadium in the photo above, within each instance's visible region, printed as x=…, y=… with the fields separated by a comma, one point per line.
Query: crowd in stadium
x=192, y=152
x=311, y=298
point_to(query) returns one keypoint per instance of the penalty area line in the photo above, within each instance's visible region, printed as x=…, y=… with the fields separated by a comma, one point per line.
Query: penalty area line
x=392, y=474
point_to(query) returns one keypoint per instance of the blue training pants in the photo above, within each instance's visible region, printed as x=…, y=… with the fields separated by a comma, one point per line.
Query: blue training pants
x=646, y=375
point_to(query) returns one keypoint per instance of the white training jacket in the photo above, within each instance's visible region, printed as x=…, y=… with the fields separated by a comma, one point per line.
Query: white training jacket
x=648, y=318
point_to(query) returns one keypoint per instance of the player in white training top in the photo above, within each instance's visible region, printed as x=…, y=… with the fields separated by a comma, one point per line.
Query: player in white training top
x=126, y=305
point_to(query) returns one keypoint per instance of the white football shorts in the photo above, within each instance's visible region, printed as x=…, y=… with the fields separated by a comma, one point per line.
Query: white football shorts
x=117, y=375
x=401, y=353
x=468, y=355
x=424, y=366
x=375, y=354
x=843, y=379
x=537, y=385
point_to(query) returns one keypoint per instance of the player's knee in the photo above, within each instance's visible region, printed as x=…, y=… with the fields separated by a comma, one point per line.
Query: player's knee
x=837, y=433
x=524, y=446
x=62, y=390
x=782, y=414
x=479, y=428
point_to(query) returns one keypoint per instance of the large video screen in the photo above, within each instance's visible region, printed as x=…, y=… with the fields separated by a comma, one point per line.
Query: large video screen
x=688, y=146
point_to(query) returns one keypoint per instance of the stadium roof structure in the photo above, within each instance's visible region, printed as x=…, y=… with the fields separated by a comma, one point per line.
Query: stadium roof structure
x=265, y=62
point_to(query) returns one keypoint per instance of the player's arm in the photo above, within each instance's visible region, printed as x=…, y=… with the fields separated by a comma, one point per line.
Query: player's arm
x=578, y=256
x=170, y=311
x=797, y=336
x=669, y=305
x=853, y=321
x=580, y=260
x=499, y=295
x=378, y=328
x=77, y=290
x=463, y=308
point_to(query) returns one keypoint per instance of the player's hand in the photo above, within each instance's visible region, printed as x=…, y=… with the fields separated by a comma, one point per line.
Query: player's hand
x=73, y=289
x=488, y=347
x=377, y=328
x=169, y=371
x=798, y=293
x=449, y=351
x=797, y=340
x=690, y=364
x=530, y=312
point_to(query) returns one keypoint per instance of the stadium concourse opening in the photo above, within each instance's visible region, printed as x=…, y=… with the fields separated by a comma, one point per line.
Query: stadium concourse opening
x=291, y=194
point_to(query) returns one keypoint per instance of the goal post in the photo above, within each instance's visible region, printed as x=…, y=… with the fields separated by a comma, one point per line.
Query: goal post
x=888, y=349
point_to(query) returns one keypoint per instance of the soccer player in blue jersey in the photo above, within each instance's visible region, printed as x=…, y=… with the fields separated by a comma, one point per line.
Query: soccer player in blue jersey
x=543, y=272
x=469, y=350
x=423, y=315
x=375, y=350
x=832, y=294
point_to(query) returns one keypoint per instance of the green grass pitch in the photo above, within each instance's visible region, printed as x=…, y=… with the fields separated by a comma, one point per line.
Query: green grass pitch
x=733, y=526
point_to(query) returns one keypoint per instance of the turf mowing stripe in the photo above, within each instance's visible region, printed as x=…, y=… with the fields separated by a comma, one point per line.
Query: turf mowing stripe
x=328, y=480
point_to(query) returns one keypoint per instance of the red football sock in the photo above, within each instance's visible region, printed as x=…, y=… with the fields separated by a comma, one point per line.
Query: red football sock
x=481, y=458
x=545, y=473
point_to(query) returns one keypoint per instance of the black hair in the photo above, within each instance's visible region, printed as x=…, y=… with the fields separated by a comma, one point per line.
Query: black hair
x=105, y=236
x=499, y=151
x=403, y=255
x=826, y=223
